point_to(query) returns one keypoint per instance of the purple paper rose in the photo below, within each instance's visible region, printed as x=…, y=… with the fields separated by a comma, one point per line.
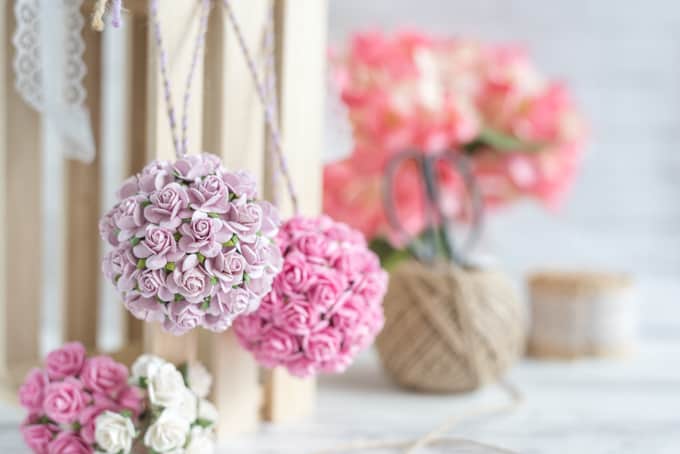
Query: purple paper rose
x=151, y=284
x=228, y=268
x=182, y=317
x=147, y=309
x=233, y=302
x=65, y=361
x=245, y=220
x=209, y=195
x=241, y=183
x=155, y=176
x=158, y=248
x=129, y=218
x=203, y=234
x=190, y=280
x=168, y=206
x=193, y=167
x=64, y=401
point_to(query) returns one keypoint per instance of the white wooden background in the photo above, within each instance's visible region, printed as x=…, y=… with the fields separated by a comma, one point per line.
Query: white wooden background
x=622, y=60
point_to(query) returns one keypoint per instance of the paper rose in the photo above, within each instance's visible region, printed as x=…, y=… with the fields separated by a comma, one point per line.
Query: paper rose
x=178, y=418
x=114, y=433
x=66, y=398
x=325, y=305
x=192, y=244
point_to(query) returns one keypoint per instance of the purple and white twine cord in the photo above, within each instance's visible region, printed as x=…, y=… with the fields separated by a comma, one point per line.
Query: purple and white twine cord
x=269, y=107
x=272, y=96
x=180, y=148
x=116, y=6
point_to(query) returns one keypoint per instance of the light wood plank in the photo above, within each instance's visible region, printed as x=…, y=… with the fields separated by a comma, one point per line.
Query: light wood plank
x=22, y=217
x=301, y=47
x=136, y=156
x=180, y=24
x=83, y=205
x=234, y=130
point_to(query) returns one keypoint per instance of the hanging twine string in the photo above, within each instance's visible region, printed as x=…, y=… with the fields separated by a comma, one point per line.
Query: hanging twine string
x=99, y=11
x=272, y=96
x=269, y=108
x=98, y=15
x=180, y=148
x=116, y=7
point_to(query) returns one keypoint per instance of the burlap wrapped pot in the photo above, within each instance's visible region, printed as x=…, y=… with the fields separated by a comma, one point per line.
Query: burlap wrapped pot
x=449, y=329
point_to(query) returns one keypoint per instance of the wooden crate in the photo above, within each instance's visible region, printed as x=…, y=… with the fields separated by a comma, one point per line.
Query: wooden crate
x=226, y=119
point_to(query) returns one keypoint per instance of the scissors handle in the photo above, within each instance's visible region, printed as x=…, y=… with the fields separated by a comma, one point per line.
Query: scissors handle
x=438, y=232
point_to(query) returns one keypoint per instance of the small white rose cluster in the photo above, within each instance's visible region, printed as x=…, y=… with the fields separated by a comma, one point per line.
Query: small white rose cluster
x=177, y=418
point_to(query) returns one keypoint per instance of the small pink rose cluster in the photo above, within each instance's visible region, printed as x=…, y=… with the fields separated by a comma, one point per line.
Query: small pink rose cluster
x=325, y=305
x=192, y=244
x=65, y=398
x=414, y=91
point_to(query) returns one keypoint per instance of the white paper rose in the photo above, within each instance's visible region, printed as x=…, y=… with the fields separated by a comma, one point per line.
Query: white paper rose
x=201, y=441
x=114, y=432
x=169, y=432
x=207, y=412
x=188, y=407
x=199, y=379
x=166, y=387
x=146, y=366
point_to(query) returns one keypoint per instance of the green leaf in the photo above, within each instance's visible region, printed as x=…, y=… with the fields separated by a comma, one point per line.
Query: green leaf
x=177, y=236
x=143, y=382
x=178, y=297
x=145, y=203
x=170, y=266
x=201, y=258
x=233, y=241
x=126, y=413
x=214, y=215
x=141, y=264
x=213, y=280
x=204, y=423
x=501, y=142
x=205, y=305
x=246, y=277
x=388, y=254
x=135, y=240
x=184, y=370
x=76, y=426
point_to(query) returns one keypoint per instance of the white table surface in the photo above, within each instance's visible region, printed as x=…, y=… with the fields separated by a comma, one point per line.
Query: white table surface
x=629, y=406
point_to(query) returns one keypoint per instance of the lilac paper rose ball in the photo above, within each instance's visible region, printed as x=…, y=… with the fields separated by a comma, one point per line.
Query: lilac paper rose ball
x=325, y=305
x=192, y=246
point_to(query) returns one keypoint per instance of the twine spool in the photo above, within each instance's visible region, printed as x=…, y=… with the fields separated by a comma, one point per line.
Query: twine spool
x=449, y=329
x=577, y=314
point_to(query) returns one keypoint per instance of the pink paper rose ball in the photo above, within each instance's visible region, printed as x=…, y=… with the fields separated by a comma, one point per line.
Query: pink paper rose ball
x=325, y=305
x=192, y=244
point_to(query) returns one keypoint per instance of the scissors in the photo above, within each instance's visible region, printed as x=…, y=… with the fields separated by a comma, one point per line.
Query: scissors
x=438, y=236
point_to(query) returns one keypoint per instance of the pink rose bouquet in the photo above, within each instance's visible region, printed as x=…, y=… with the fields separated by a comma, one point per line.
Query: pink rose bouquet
x=65, y=398
x=192, y=244
x=325, y=305
x=521, y=131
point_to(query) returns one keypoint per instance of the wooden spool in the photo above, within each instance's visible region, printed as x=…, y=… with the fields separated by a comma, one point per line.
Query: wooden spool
x=225, y=118
x=577, y=314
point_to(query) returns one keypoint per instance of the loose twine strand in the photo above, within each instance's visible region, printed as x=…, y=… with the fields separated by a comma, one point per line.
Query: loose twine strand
x=437, y=436
x=267, y=103
x=199, y=46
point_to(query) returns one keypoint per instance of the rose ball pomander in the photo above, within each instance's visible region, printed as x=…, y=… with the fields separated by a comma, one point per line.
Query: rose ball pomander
x=326, y=304
x=192, y=244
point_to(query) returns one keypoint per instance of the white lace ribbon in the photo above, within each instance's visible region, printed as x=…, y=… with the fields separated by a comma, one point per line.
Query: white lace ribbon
x=49, y=69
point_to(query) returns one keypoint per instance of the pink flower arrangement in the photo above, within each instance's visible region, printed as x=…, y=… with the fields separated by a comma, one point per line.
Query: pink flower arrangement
x=192, y=244
x=64, y=399
x=325, y=305
x=414, y=91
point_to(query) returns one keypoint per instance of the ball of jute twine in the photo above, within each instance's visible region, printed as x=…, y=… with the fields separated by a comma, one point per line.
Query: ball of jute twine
x=450, y=329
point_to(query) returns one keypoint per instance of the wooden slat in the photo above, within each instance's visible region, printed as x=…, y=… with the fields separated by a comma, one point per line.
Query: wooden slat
x=21, y=217
x=83, y=205
x=301, y=43
x=137, y=52
x=4, y=64
x=180, y=24
x=234, y=129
